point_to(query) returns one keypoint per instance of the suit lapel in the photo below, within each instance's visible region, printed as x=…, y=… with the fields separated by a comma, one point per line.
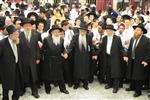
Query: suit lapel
x=112, y=44
x=31, y=39
x=24, y=39
x=140, y=43
x=9, y=48
x=105, y=43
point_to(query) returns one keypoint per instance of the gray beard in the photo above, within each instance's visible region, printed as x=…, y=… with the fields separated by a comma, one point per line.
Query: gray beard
x=56, y=40
x=82, y=41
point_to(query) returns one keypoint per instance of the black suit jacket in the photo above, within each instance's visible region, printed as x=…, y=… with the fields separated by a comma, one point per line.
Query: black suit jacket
x=142, y=53
x=8, y=65
x=116, y=55
x=30, y=52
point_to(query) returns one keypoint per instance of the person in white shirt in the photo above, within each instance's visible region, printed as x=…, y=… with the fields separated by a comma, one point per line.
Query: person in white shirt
x=68, y=62
x=128, y=32
x=112, y=51
x=74, y=13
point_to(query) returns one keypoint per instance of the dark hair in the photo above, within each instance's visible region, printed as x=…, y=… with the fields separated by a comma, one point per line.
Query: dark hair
x=121, y=25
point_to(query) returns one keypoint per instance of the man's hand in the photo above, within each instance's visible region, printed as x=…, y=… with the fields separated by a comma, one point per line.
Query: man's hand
x=65, y=55
x=125, y=59
x=144, y=63
x=40, y=44
x=94, y=57
x=37, y=61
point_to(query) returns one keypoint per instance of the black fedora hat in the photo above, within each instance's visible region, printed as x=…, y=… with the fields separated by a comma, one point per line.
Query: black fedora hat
x=83, y=27
x=55, y=27
x=126, y=17
x=26, y=21
x=111, y=27
x=32, y=14
x=10, y=29
x=142, y=27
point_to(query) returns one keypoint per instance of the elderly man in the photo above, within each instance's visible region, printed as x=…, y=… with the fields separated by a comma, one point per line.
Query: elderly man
x=138, y=58
x=112, y=51
x=30, y=53
x=81, y=45
x=53, y=59
x=11, y=69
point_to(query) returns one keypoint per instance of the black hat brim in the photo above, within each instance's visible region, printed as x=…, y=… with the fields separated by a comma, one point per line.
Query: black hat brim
x=111, y=29
x=33, y=14
x=143, y=29
x=83, y=29
x=55, y=29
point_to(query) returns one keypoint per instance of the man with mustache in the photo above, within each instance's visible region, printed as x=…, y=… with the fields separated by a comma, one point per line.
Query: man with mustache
x=138, y=58
x=52, y=70
x=11, y=68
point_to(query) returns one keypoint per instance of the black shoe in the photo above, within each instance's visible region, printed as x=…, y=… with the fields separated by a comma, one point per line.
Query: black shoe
x=129, y=89
x=47, y=91
x=76, y=87
x=64, y=91
x=115, y=90
x=137, y=94
x=91, y=80
x=86, y=87
x=121, y=85
x=69, y=84
x=107, y=86
x=36, y=95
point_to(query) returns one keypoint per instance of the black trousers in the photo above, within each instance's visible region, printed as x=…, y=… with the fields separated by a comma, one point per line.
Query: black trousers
x=31, y=84
x=61, y=85
x=68, y=71
x=18, y=87
x=93, y=69
x=135, y=84
x=84, y=81
x=114, y=82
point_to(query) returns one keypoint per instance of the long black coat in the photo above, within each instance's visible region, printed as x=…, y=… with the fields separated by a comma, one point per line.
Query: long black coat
x=8, y=66
x=82, y=59
x=142, y=53
x=52, y=69
x=116, y=55
x=30, y=52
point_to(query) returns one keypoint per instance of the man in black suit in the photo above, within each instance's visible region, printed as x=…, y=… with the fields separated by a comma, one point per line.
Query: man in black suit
x=82, y=47
x=138, y=58
x=11, y=68
x=112, y=51
x=52, y=70
x=30, y=53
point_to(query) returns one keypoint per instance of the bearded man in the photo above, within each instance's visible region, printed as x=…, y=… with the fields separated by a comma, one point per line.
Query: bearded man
x=52, y=70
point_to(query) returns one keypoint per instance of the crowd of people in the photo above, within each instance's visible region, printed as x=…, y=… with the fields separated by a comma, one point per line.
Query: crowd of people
x=72, y=44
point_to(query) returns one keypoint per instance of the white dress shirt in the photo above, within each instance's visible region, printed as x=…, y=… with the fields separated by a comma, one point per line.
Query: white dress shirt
x=127, y=35
x=68, y=37
x=109, y=44
x=14, y=48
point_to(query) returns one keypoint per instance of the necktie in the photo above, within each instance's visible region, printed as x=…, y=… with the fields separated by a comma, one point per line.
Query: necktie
x=133, y=49
x=28, y=35
x=15, y=51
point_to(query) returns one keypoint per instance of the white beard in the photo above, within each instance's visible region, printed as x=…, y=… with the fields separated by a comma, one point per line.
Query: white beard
x=56, y=40
x=82, y=40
